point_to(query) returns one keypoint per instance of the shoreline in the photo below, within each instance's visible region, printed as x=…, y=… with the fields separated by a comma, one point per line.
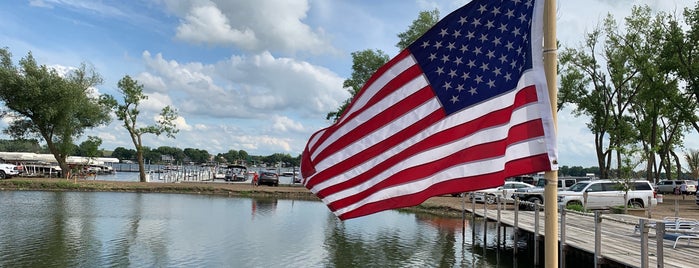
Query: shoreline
x=447, y=206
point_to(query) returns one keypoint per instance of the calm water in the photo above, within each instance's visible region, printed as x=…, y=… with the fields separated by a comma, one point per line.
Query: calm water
x=95, y=229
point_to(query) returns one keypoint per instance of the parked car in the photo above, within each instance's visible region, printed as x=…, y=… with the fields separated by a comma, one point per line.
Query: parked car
x=536, y=194
x=489, y=195
x=8, y=170
x=604, y=194
x=269, y=178
x=668, y=186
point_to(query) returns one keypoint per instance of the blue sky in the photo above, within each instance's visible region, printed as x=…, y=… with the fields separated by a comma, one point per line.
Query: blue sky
x=258, y=76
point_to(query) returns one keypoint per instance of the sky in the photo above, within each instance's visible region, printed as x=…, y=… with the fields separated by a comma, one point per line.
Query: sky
x=259, y=75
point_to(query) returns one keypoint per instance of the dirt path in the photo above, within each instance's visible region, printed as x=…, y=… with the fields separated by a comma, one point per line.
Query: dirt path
x=672, y=205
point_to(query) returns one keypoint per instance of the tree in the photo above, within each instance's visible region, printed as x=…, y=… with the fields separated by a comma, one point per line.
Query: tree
x=692, y=158
x=122, y=153
x=90, y=147
x=364, y=65
x=632, y=100
x=43, y=104
x=425, y=20
x=128, y=112
x=366, y=62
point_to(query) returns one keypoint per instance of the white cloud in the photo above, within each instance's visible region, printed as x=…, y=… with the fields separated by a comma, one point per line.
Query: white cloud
x=285, y=124
x=206, y=24
x=246, y=86
x=250, y=25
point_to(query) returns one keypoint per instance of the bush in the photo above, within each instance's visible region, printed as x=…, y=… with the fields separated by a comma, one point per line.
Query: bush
x=577, y=207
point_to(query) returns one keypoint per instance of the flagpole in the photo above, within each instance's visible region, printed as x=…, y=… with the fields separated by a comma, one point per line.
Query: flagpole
x=551, y=177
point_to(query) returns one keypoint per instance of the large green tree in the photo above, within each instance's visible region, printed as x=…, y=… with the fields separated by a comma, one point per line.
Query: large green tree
x=42, y=103
x=128, y=110
x=623, y=84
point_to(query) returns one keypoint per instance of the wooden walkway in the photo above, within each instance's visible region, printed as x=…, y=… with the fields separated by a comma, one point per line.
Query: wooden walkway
x=620, y=243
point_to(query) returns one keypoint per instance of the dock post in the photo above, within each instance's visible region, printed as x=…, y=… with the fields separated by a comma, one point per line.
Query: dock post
x=562, y=248
x=598, y=240
x=497, y=224
x=515, y=228
x=659, y=243
x=536, y=233
x=473, y=220
x=644, y=242
x=485, y=221
x=463, y=216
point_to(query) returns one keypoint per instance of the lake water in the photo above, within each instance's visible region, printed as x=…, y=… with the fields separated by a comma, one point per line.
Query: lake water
x=105, y=229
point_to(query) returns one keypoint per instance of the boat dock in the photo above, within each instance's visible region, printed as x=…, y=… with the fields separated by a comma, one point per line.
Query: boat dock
x=610, y=238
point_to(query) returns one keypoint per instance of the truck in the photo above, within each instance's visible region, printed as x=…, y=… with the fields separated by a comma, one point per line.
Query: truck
x=8, y=170
x=536, y=194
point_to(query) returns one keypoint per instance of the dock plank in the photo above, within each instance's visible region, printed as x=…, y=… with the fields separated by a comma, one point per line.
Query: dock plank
x=620, y=243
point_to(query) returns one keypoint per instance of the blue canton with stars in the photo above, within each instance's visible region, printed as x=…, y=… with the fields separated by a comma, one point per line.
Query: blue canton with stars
x=477, y=52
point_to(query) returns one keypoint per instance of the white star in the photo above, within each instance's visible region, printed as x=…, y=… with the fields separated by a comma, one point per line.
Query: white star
x=497, y=72
x=445, y=58
x=440, y=70
x=490, y=54
x=483, y=8
x=447, y=85
x=490, y=24
x=516, y=31
x=508, y=76
x=454, y=99
x=476, y=22
x=456, y=34
x=478, y=79
x=484, y=37
x=425, y=44
x=470, y=35
x=503, y=58
x=503, y=27
x=463, y=20
x=443, y=33
x=432, y=56
x=437, y=44
x=510, y=13
x=522, y=18
x=513, y=64
x=458, y=61
x=466, y=76
x=477, y=50
x=491, y=83
x=496, y=41
x=484, y=66
x=496, y=11
x=509, y=45
x=460, y=87
x=452, y=73
x=451, y=46
x=472, y=63
x=473, y=91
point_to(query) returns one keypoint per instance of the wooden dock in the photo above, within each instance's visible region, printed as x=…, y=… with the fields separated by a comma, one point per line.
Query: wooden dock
x=620, y=243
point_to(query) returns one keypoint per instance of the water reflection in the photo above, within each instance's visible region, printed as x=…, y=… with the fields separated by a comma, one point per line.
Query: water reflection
x=73, y=229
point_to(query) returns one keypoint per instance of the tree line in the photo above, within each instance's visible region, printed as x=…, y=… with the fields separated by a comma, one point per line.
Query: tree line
x=90, y=148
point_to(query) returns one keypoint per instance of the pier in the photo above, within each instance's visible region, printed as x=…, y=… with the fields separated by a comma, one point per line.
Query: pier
x=610, y=238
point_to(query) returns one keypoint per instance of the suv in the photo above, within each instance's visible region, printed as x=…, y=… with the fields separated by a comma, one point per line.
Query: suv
x=8, y=171
x=537, y=194
x=668, y=186
x=603, y=194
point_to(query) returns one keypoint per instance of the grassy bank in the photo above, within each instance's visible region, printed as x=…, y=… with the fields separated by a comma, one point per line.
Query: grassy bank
x=54, y=184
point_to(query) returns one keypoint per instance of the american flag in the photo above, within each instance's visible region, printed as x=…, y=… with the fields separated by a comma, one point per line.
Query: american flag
x=461, y=109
